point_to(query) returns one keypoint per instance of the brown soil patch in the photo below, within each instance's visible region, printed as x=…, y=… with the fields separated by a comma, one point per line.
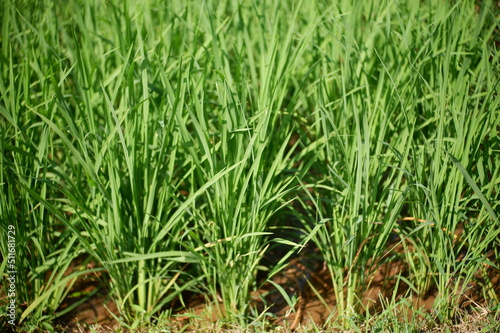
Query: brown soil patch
x=91, y=302
x=305, y=280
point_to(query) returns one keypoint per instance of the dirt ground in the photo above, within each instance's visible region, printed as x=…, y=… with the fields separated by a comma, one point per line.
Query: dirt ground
x=305, y=277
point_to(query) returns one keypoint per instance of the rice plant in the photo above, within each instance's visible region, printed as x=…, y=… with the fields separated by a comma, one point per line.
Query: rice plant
x=166, y=144
x=395, y=145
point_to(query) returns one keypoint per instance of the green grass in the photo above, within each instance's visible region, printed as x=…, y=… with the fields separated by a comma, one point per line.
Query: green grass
x=169, y=144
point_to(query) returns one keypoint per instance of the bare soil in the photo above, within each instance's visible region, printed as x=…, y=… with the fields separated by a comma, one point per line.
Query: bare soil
x=305, y=278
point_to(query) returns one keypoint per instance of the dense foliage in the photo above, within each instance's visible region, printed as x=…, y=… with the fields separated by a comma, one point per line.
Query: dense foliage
x=167, y=142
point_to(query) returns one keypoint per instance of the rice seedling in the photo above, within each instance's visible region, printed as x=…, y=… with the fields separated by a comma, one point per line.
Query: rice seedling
x=166, y=144
x=380, y=157
x=448, y=166
x=31, y=203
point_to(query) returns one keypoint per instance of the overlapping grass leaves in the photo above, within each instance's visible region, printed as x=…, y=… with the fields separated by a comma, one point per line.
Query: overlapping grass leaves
x=161, y=140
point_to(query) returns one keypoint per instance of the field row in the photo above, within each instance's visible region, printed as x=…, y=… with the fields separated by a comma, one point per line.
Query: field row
x=195, y=150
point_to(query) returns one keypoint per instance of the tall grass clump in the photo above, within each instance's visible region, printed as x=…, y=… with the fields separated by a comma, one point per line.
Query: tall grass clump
x=363, y=152
x=404, y=122
x=107, y=131
x=31, y=199
x=236, y=130
x=455, y=171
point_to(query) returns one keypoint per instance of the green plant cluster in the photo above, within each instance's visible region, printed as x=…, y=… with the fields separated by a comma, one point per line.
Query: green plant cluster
x=167, y=141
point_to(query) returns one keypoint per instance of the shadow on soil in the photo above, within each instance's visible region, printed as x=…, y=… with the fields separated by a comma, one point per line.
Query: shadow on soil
x=305, y=280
